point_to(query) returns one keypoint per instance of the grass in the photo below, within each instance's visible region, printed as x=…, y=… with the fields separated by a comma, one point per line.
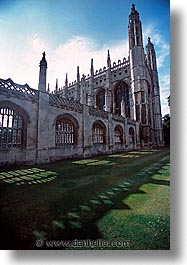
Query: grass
x=114, y=197
x=146, y=224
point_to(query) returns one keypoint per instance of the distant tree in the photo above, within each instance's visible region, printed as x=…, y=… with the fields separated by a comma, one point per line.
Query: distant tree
x=166, y=129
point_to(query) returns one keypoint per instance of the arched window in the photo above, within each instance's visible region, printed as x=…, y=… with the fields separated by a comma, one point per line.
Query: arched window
x=99, y=133
x=11, y=128
x=118, y=135
x=131, y=135
x=66, y=131
x=100, y=99
x=121, y=92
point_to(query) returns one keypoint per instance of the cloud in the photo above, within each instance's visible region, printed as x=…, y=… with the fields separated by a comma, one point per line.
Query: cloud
x=24, y=67
x=63, y=59
x=79, y=51
x=164, y=93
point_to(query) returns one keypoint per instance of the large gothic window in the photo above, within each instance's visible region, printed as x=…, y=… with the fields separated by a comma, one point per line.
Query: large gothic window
x=100, y=99
x=11, y=128
x=66, y=132
x=121, y=92
x=99, y=133
x=118, y=135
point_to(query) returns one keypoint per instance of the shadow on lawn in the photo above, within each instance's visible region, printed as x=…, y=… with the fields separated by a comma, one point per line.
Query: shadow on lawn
x=75, y=214
x=81, y=222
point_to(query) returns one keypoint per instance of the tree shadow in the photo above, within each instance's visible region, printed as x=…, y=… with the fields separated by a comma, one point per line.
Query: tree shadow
x=75, y=215
x=160, y=182
x=84, y=225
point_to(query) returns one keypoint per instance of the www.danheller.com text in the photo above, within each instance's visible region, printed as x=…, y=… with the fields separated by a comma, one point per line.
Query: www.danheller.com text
x=99, y=243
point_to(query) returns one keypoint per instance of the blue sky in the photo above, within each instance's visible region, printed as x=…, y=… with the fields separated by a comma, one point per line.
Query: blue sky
x=74, y=31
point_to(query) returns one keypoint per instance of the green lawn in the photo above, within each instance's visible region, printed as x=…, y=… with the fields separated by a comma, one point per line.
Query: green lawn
x=145, y=224
x=114, y=197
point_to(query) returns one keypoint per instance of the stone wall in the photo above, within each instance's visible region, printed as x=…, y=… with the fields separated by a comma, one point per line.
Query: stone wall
x=41, y=111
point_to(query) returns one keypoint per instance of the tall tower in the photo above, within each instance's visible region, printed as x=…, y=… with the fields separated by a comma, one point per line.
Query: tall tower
x=138, y=74
x=42, y=74
x=157, y=116
x=43, y=114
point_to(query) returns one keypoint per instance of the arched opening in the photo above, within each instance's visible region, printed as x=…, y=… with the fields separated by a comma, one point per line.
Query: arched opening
x=100, y=99
x=118, y=135
x=13, y=125
x=66, y=130
x=99, y=132
x=131, y=135
x=121, y=93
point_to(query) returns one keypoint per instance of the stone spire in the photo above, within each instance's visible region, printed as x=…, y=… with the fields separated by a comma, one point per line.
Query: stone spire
x=92, y=68
x=135, y=29
x=108, y=59
x=56, y=86
x=42, y=74
x=151, y=55
x=133, y=10
x=78, y=74
x=66, y=81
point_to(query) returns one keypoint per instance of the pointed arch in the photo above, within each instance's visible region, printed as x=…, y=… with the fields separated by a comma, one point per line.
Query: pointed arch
x=99, y=132
x=100, y=98
x=66, y=130
x=118, y=135
x=131, y=135
x=13, y=125
x=121, y=92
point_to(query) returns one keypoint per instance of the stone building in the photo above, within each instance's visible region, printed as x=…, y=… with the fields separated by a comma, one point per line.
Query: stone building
x=114, y=109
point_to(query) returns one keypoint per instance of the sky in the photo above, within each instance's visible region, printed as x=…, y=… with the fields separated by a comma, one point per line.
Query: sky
x=71, y=32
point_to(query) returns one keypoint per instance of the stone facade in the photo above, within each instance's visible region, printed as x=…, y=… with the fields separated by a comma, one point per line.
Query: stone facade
x=114, y=109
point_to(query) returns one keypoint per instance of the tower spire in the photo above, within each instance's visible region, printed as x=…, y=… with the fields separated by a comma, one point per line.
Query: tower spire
x=78, y=74
x=56, y=86
x=66, y=81
x=108, y=59
x=135, y=29
x=151, y=55
x=157, y=116
x=42, y=73
x=133, y=8
x=92, y=68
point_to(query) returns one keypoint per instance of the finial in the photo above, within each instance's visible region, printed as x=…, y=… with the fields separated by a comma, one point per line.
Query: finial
x=48, y=89
x=92, y=68
x=56, y=87
x=133, y=7
x=133, y=10
x=108, y=59
x=43, y=61
x=43, y=55
x=66, y=81
x=78, y=74
x=149, y=39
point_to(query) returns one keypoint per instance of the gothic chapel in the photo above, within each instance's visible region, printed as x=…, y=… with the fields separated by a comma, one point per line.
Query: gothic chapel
x=111, y=110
